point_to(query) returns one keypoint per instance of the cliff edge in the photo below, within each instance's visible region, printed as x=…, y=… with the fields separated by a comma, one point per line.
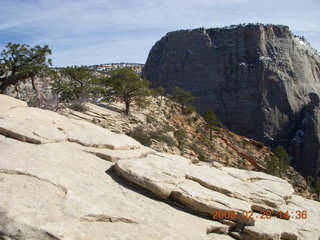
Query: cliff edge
x=257, y=78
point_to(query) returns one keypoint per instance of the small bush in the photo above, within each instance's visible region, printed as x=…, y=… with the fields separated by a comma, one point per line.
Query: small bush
x=200, y=152
x=161, y=136
x=202, y=157
x=79, y=107
x=189, y=120
x=244, y=143
x=167, y=128
x=259, y=145
x=180, y=135
x=150, y=119
x=188, y=109
x=141, y=136
x=167, y=139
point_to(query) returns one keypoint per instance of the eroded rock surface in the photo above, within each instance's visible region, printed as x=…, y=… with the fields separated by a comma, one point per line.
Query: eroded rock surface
x=89, y=183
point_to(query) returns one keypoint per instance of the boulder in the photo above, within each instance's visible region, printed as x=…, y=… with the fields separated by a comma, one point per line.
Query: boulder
x=246, y=185
x=159, y=173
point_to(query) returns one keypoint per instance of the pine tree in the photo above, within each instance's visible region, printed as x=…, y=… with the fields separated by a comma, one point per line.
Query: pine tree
x=317, y=187
x=283, y=158
x=74, y=84
x=19, y=62
x=272, y=164
x=211, y=121
x=126, y=85
x=183, y=97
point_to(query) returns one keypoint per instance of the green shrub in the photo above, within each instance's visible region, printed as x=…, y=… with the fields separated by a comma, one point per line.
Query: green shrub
x=310, y=180
x=317, y=187
x=185, y=99
x=244, y=143
x=79, y=107
x=200, y=152
x=202, y=157
x=278, y=163
x=188, y=109
x=150, y=119
x=166, y=139
x=260, y=145
x=167, y=128
x=141, y=136
x=189, y=120
x=161, y=136
x=180, y=135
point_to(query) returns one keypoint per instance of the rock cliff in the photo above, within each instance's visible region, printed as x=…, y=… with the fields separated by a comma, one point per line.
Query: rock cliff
x=64, y=179
x=257, y=78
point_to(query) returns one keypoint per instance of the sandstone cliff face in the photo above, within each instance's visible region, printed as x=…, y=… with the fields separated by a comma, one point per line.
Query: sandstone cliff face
x=257, y=78
x=67, y=179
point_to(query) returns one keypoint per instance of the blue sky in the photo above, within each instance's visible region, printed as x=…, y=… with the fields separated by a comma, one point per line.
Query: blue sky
x=85, y=32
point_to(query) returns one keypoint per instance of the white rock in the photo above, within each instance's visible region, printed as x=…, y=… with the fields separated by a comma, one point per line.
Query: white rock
x=31, y=131
x=57, y=188
x=258, y=191
x=115, y=155
x=214, y=236
x=62, y=187
x=217, y=227
x=8, y=103
x=273, y=228
x=159, y=173
x=205, y=201
x=42, y=126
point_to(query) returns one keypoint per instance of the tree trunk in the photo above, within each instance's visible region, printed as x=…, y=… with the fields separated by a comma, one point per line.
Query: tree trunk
x=127, y=107
x=12, y=80
x=210, y=134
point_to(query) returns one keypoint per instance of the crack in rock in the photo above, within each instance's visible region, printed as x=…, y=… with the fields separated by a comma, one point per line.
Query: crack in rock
x=105, y=218
x=11, y=229
x=106, y=146
x=18, y=136
x=113, y=158
x=16, y=172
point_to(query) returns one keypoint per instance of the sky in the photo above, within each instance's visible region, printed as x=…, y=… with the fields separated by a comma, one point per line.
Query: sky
x=88, y=32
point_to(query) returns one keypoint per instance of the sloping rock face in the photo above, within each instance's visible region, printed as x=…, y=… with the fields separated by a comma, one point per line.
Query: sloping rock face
x=257, y=78
x=62, y=179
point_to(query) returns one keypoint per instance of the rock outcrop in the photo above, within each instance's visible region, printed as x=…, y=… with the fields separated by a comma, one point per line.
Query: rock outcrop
x=65, y=179
x=257, y=78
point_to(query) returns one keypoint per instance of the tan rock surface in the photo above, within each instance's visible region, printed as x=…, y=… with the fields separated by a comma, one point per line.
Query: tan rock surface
x=115, y=155
x=62, y=187
x=273, y=228
x=214, y=236
x=8, y=103
x=254, y=189
x=41, y=126
x=57, y=189
x=159, y=173
x=31, y=131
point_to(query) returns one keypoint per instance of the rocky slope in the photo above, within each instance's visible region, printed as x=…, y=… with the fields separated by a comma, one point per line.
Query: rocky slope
x=64, y=178
x=257, y=78
x=156, y=126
